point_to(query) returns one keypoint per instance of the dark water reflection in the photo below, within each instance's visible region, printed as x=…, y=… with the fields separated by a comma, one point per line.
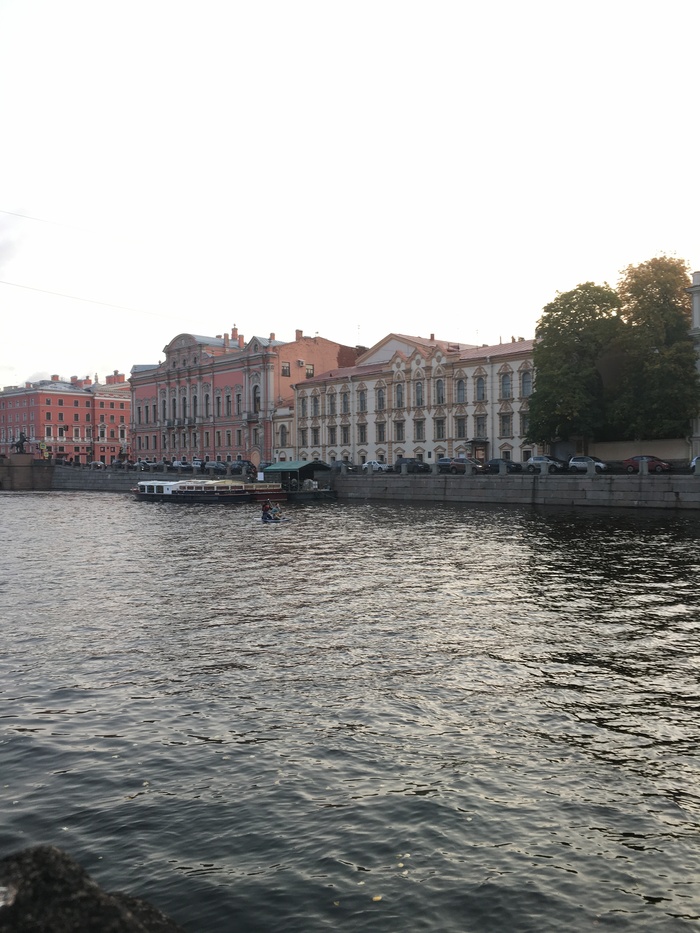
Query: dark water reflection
x=486, y=719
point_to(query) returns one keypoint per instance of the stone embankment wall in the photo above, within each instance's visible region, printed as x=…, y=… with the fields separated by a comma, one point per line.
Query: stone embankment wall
x=665, y=491
x=67, y=478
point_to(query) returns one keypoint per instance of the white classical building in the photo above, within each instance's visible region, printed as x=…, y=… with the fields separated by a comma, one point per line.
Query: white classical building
x=417, y=397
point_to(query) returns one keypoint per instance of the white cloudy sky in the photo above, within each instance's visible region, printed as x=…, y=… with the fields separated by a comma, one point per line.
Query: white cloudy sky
x=347, y=168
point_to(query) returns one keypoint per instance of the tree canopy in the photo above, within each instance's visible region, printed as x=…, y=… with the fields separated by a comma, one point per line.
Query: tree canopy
x=617, y=364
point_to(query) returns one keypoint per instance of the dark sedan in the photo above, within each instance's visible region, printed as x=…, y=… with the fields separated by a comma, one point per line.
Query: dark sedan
x=494, y=466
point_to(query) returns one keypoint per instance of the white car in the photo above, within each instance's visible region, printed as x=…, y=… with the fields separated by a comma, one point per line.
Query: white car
x=580, y=464
x=376, y=466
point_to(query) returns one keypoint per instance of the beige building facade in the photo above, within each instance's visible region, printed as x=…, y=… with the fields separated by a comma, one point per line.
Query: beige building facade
x=419, y=397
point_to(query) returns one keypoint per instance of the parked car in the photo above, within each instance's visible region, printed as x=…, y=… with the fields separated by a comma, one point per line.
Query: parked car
x=580, y=464
x=183, y=465
x=458, y=465
x=494, y=466
x=654, y=465
x=412, y=464
x=338, y=465
x=375, y=466
x=544, y=465
x=215, y=466
x=693, y=464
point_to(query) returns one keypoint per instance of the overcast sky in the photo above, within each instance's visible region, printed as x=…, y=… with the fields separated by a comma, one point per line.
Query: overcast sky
x=347, y=168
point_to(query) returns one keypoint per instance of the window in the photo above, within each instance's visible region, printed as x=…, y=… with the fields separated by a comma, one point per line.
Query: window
x=461, y=394
x=331, y=403
x=419, y=429
x=217, y=439
x=174, y=407
x=239, y=403
x=302, y=407
x=76, y=403
x=239, y=435
x=480, y=426
x=302, y=437
x=164, y=408
x=439, y=429
x=524, y=423
x=48, y=401
x=380, y=400
x=381, y=432
x=76, y=417
x=439, y=392
x=256, y=398
x=362, y=434
x=138, y=414
x=345, y=402
x=207, y=404
x=460, y=427
x=283, y=436
x=184, y=406
x=217, y=405
x=48, y=416
x=399, y=434
x=76, y=434
x=228, y=438
x=60, y=402
x=48, y=430
x=206, y=438
x=309, y=370
x=315, y=406
x=362, y=400
x=399, y=395
x=506, y=386
x=526, y=384
x=314, y=436
x=286, y=369
x=480, y=389
x=145, y=414
x=505, y=425
x=60, y=416
x=332, y=433
x=229, y=409
x=345, y=434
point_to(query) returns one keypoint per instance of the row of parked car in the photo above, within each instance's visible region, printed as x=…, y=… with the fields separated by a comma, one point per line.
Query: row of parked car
x=540, y=464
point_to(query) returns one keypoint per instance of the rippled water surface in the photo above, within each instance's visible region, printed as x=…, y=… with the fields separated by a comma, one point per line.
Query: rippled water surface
x=372, y=718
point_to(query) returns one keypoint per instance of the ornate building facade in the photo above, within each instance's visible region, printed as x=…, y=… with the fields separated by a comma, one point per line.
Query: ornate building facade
x=416, y=397
x=225, y=398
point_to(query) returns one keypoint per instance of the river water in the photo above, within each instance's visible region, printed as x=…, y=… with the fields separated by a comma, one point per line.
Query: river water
x=371, y=718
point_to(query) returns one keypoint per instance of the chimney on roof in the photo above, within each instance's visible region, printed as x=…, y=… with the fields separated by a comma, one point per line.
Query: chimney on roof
x=432, y=336
x=27, y=385
x=299, y=334
x=234, y=333
x=226, y=340
x=54, y=379
x=241, y=341
x=272, y=336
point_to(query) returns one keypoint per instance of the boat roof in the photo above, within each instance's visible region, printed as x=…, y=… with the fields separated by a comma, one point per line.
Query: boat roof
x=292, y=466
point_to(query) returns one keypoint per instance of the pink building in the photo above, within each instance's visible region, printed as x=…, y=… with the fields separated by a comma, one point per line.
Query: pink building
x=216, y=397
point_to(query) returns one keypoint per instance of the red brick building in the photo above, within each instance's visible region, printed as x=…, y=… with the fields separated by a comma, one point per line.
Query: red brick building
x=78, y=420
x=219, y=398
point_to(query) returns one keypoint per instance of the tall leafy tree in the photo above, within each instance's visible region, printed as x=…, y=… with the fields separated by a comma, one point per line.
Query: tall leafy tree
x=571, y=339
x=656, y=391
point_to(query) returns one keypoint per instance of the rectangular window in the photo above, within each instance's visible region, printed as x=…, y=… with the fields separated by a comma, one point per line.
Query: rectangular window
x=331, y=404
x=228, y=438
x=60, y=401
x=439, y=429
x=48, y=430
x=76, y=403
x=206, y=438
x=505, y=425
x=314, y=436
x=332, y=433
x=309, y=370
x=218, y=406
x=345, y=434
x=228, y=404
x=399, y=431
x=239, y=437
x=419, y=429
x=302, y=437
x=286, y=369
x=480, y=425
x=362, y=433
x=60, y=416
x=345, y=402
x=381, y=432
x=47, y=416
x=524, y=424
x=460, y=428
x=76, y=417
x=217, y=438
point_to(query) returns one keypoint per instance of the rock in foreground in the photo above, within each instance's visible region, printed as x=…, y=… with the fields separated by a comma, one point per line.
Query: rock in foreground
x=43, y=890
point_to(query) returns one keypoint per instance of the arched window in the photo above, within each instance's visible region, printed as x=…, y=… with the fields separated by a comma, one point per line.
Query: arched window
x=506, y=385
x=380, y=400
x=480, y=389
x=283, y=436
x=314, y=405
x=399, y=395
x=331, y=403
x=362, y=400
x=345, y=402
x=419, y=395
x=526, y=384
x=461, y=395
x=256, y=398
x=439, y=392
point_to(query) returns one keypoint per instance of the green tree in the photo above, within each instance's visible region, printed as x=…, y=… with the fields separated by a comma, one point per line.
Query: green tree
x=571, y=338
x=656, y=391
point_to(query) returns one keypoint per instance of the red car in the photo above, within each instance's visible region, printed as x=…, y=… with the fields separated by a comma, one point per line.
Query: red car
x=654, y=465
